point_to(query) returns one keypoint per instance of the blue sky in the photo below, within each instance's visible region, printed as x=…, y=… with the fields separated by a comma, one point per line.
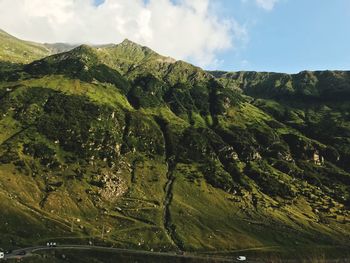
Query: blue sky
x=98, y=2
x=261, y=35
x=295, y=35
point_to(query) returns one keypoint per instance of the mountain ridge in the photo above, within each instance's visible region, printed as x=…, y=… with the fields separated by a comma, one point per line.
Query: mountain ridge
x=312, y=84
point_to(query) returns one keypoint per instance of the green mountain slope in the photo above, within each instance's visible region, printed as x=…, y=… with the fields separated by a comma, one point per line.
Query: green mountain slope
x=15, y=50
x=126, y=147
x=314, y=103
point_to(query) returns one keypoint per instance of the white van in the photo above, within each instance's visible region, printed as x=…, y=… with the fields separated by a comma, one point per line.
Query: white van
x=2, y=255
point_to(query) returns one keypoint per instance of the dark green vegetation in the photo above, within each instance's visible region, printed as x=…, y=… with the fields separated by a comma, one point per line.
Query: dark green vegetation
x=122, y=145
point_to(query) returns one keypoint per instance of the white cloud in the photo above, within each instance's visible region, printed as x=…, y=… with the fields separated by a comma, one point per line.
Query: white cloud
x=185, y=30
x=267, y=4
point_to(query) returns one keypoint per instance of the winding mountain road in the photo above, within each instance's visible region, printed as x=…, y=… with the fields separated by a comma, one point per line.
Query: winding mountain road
x=29, y=252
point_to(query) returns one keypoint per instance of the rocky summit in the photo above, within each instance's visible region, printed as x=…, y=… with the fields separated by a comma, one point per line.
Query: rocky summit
x=122, y=146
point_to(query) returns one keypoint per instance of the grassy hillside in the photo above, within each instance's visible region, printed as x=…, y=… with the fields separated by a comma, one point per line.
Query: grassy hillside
x=14, y=50
x=125, y=147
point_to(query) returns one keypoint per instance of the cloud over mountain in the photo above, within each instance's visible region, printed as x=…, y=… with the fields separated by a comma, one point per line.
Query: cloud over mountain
x=187, y=29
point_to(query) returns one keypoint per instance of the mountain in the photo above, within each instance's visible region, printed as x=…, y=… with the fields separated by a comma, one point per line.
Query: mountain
x=314, y=103
x=316, y=85
x=123, y=146
x=15, y=50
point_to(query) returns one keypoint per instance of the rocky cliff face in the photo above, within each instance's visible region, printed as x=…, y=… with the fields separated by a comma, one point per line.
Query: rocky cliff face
x=122, y=143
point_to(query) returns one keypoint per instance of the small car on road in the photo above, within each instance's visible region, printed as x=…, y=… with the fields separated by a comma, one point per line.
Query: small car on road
x=242, y=258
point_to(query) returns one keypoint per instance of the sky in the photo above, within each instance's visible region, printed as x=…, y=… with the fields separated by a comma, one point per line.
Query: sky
x=231, y=35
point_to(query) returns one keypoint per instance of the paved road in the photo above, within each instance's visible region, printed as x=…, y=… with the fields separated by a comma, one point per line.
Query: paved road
x=30, y=250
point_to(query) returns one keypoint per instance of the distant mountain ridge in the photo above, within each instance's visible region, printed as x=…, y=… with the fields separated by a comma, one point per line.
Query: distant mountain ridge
x=311, y=84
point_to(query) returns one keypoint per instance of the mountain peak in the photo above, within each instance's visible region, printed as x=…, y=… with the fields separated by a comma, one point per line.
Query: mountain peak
x=84, y=49
x=84, y=53
x=128, y=51
x=135, y=47
x=129, y=42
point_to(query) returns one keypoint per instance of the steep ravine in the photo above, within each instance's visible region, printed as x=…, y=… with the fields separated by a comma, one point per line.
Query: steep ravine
x=168, y=196
x=169, y=226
